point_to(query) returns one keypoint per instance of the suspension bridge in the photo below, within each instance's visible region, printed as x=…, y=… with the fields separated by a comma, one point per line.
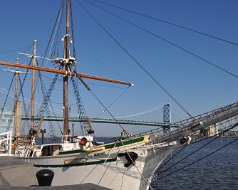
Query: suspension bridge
x=74, y=119
x=103, y=120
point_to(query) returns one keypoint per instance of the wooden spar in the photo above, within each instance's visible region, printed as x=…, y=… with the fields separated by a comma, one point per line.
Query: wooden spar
x=16, y=131
x=66, y=68
x=63, y=72
x=102, y=79
x=17, y=116
x=33, y=86
x=17, y=106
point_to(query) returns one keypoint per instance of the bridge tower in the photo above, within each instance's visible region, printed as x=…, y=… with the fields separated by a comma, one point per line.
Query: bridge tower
x=166, y=117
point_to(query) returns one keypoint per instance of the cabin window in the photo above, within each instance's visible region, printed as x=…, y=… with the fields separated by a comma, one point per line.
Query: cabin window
x=46, y=151
x=50, y=150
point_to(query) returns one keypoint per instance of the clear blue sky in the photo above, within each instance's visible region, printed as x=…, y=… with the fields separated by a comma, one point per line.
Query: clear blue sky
x=198, y=86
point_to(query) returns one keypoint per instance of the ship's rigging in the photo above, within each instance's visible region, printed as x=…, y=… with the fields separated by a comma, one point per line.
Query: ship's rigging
x=67, y=68
x=68, y=62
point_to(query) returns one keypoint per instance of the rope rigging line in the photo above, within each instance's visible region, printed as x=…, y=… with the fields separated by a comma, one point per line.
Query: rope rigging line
x=177, y=111
x=171, y=158
x=105, y=108
x=13, y=50
x=198, y=159
x=46, y=100
x=23, y=97
x=4, y=104
x=80, y=107
x=87, y=87
x=135, y=60
x=54, y=31
x=225, y=129
x=176, y=163
x=213, y=139
x=109, y=154
x=93, y=56
x=72, y=30
x=142, y=176
x=117, y=98
x=4, y=91
x=182, y=124
x=236, y=124
x=109, y=163
x=81, y=110
x=35, y=83
x=122, y=179
x=47, y=96
x=44, y=91
x=18, y=96
x=169, y=23
x=27, y=100
x=169, y=42
x=107, y=85
x=21, y=89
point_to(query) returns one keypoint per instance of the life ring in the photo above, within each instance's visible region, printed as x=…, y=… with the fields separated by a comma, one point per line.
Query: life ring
x=83, y=141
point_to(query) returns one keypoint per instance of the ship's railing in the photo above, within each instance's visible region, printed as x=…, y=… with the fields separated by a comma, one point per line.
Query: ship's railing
x=206, y=115
x=196, y=123
x=6, y=144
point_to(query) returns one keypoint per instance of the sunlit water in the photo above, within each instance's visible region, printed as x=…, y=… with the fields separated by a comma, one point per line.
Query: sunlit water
x=218, y=171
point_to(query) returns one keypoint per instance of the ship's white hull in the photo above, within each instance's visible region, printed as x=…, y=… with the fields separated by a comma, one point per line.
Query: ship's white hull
x=109, y=170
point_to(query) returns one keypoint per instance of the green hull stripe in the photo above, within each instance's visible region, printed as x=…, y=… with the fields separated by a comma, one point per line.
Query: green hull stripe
x=79, y=164
x=123, y=143
x=108, y=146
x=71, y=152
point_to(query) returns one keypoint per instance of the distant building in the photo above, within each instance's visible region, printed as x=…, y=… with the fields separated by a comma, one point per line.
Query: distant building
x=5, y=120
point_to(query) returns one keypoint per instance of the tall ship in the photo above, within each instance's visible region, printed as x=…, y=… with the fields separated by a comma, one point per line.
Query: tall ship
x=126, y=162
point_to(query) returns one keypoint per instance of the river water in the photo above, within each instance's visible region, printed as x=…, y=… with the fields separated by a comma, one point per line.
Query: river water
x=218, y=171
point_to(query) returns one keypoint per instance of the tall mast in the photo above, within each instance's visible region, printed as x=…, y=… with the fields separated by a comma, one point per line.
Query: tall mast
x=16, y=102
x=66, y=65
x=33, y=86
x=16, y=87
x=66, y=62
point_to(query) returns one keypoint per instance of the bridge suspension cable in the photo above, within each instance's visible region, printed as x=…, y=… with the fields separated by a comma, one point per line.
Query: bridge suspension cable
x=142, y=113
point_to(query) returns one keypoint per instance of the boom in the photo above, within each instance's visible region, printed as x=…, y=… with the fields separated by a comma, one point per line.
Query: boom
x=63, y=72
